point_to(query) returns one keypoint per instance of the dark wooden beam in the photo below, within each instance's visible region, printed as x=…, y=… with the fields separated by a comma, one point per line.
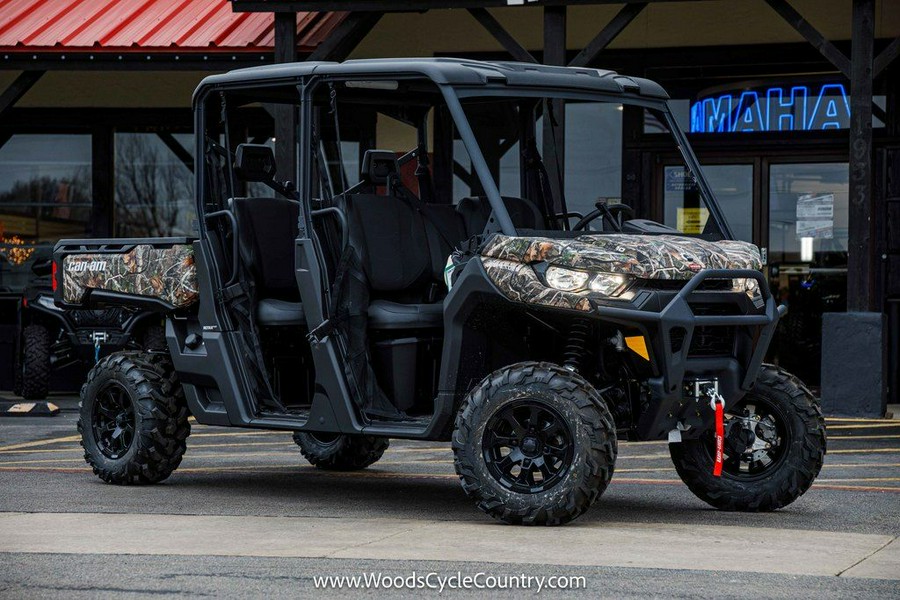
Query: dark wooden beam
x=285, y=38
x=346, y=36
x=285, y=115
x=18, y=88
x=608, y=34
x=177, y=149
x=886, y=57
x=103, y=165
x=812, y=35
x=862, y=266
x=500, y=34
x=406, y=5
x=554, y=142
x=131, y=61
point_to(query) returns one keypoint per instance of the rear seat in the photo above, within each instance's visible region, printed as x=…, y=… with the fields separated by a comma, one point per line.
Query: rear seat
x=267, y=228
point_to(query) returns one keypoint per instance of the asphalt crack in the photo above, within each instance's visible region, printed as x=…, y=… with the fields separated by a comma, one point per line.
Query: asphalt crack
x=868, y=556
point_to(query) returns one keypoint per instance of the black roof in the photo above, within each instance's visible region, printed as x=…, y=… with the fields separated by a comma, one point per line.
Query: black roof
x=454, y=71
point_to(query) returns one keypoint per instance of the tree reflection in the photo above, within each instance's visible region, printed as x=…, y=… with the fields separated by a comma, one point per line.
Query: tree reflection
x=153, y=189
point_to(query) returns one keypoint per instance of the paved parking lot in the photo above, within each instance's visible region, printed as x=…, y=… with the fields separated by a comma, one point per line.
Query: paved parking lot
x=245, y=512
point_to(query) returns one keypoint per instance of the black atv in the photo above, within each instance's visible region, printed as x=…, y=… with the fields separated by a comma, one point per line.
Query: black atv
x=394, y=292
x=50, y=338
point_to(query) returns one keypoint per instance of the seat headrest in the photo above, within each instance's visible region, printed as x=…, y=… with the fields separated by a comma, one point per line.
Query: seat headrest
x=378, y=166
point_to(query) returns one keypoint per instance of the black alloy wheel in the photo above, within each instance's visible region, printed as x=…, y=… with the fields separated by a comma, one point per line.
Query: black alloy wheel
x=756, y=431
x=113, y=420
x=774, y=447
x=133, y=418
x=527, y=447
x=340, y=452
x=534, y=444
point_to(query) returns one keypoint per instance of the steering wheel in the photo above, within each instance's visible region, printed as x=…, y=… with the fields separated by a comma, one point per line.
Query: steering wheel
x=611, y=213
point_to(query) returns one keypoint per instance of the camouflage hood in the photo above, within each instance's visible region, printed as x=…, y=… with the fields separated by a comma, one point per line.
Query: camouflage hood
x=642, y=256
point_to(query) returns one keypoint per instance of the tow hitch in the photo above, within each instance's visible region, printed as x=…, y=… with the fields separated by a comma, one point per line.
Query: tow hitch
x=706, y=391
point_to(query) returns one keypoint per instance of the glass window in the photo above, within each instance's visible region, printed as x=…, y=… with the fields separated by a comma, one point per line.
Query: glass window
x=808, y=209
x=732, y=186
x=154, y=188
x=45, y=195
x=593, y=154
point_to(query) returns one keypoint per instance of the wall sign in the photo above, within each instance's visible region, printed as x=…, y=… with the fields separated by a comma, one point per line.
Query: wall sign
x=780, y=108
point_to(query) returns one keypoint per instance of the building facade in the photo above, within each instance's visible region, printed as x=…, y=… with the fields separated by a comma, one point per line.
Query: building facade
x=96, y=140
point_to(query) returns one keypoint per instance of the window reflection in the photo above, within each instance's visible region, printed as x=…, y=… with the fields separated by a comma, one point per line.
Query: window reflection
x=153, y=187
x=808, y=211
x=45, y=195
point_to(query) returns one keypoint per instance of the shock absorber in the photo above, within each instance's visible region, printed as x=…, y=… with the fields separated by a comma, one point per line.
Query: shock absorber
x=576, y=344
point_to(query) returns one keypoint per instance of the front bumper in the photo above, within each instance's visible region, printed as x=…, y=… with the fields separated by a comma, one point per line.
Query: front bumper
x=671, y=322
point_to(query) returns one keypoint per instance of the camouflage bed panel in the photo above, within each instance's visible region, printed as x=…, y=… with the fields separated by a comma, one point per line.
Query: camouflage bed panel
x=642, y=256
x=165, y=273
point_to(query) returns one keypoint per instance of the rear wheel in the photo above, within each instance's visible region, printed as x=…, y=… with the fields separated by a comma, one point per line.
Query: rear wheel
x=774, y=448
x=34, y=366
x=340, y=452
x=134, y=419
x=534, y=444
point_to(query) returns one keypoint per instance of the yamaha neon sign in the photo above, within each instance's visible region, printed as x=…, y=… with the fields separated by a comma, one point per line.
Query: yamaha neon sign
x=795, y=108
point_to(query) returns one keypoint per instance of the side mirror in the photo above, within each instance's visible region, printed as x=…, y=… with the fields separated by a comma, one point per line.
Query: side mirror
x=42, y=267
x=254, y=162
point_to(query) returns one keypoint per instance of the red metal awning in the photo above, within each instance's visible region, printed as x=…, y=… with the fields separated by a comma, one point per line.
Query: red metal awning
x=148, y=26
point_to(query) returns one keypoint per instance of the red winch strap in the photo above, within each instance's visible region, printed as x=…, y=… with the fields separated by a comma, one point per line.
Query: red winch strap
x=720, y=437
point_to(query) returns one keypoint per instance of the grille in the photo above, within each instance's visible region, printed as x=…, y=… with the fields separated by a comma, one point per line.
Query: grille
x=676, y=284
x=712, y=341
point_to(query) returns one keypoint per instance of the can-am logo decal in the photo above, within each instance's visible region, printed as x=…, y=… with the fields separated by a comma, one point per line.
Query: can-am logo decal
x=82, y=266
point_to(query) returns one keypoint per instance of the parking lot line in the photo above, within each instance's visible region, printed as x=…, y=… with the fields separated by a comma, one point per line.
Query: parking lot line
x=856, y=419
x=865, y=451
x=848, y=438
x=68, y=438
x=881, y=425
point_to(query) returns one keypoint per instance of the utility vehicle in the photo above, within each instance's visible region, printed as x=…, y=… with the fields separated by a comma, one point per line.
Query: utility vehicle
x=412, y=268
x=49, y=338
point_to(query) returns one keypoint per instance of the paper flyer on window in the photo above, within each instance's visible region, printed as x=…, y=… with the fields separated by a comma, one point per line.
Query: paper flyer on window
x=815, y=216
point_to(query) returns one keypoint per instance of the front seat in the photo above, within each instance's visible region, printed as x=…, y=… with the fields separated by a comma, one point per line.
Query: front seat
x=267, y=229
x=389, y=233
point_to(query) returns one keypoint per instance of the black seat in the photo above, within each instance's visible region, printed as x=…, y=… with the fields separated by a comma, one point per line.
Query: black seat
x=384, y=314
x=267, y=228
x=400, y=249
x=476, y=211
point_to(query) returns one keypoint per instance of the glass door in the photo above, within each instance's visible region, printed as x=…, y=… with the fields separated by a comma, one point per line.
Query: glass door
x=807, y=257
x=733, y=186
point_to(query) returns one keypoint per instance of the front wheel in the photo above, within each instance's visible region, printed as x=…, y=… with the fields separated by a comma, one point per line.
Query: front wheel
x=774, y=448
x=534, y=444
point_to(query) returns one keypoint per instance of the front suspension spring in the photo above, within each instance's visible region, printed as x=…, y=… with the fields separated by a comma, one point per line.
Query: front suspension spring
x=576, y=344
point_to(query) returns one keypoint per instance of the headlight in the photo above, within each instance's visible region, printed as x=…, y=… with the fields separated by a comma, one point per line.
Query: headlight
x=608, y=284
x=566, y=280
x=571, y=280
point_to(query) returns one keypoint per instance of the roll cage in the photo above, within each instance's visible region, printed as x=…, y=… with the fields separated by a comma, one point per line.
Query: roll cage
x=456, y=81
